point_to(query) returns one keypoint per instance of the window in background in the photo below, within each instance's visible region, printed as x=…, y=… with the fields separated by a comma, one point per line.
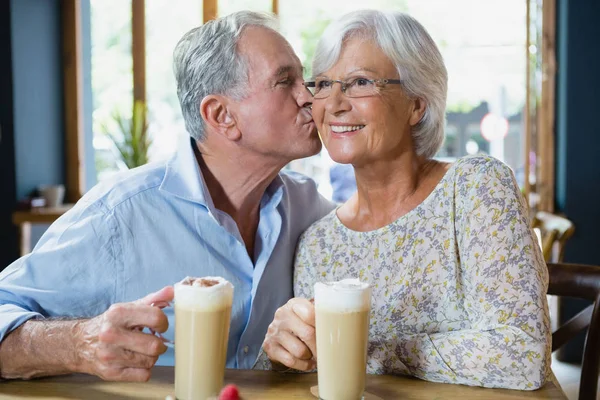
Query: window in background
x=226, y=7
x=166, y=22
x=111, y=76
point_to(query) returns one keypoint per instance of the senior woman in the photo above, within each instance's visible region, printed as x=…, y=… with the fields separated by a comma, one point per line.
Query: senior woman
x=458, y=280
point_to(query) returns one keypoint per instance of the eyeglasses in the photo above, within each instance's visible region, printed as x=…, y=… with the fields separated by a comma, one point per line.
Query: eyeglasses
x=357, y=87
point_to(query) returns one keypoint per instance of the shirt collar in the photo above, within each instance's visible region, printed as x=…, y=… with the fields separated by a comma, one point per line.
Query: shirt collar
x=183, y=178
x=273, y=194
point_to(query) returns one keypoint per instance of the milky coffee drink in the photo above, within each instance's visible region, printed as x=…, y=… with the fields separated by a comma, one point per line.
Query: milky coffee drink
x=202, y=313
x=342, y=327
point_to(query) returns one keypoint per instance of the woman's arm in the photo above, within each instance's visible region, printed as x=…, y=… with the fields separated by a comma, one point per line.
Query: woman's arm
x=504, y=282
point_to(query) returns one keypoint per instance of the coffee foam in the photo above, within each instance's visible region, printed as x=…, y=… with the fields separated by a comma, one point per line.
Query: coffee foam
x=194, y=293
x=343, y=296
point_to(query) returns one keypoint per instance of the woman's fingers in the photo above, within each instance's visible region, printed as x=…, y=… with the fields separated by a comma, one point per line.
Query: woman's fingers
x=279, y=354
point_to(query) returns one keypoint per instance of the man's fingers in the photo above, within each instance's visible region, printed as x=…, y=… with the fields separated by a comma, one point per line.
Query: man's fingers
x=115, y=371
x=143, y=343
x=164, y=295
x=135, y=341
x=135, y=375
x=131, y=315
x=161, y=304
x=131, y=359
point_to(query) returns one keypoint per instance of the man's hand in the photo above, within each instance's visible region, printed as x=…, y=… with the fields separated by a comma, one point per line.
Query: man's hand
x=290, y=338
x=113, y=346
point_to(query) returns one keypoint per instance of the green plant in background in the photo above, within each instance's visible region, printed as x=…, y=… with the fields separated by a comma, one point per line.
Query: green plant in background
x=131, y=136
x=310, y=35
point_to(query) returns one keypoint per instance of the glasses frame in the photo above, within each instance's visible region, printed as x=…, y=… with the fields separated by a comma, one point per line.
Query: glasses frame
x=345, y=84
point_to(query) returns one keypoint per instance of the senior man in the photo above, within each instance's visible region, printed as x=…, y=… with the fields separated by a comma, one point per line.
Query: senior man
x=221, y=206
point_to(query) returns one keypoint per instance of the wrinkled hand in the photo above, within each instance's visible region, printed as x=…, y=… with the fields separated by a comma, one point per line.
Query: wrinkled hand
x=112, y=345
x=290, y=339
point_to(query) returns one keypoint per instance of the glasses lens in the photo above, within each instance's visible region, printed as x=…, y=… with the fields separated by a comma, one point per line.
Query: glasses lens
x=361, y=87
x=322, y=89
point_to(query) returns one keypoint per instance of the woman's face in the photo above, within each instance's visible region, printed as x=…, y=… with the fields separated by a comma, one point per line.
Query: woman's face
x=365, y=129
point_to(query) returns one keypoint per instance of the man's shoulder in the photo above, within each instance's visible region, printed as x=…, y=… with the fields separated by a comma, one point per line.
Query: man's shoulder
x=302, y=190
x=126, y=185
x=298, y=181
x=303, y=202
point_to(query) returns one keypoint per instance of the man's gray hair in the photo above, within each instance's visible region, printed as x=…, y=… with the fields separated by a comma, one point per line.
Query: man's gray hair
x=414, y=53
x=207, y=61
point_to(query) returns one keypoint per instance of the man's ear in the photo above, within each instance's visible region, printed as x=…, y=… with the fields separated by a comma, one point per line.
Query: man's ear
x=215, y=111
x=418, y=110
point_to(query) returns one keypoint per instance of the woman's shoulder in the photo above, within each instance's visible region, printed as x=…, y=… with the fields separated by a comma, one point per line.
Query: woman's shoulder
x=481, y=165
x=482, y=171
x=321, y=228
x=482, y=181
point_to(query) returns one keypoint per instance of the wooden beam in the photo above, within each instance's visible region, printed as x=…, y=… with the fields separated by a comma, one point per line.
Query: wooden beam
x=73, y=99
x=40, y=215
x=275, y=7
x=527, y=113
x=138, y=49
x=210, y=10
x=547, y=109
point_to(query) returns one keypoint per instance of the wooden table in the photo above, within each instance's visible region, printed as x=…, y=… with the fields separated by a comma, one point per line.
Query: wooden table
x=263, y=385
x=41, y=215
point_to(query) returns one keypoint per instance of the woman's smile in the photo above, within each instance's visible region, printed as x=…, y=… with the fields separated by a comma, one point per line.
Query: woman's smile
x=339, y=131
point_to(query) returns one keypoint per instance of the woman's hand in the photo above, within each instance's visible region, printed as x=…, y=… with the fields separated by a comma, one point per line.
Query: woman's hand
x=290, y=339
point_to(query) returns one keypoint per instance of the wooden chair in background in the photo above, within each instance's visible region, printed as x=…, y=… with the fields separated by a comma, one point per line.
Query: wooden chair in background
x=553, y=233
x=554, y=230
x=582, y=282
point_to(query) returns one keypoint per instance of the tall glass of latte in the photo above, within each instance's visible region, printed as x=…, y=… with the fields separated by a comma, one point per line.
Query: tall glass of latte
x=202, y=312
x=342, y=326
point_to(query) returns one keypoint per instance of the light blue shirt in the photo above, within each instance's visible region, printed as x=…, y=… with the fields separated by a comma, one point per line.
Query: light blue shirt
x=151, y=227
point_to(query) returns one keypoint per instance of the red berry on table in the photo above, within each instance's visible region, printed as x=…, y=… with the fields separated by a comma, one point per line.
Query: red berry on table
x=230, y=392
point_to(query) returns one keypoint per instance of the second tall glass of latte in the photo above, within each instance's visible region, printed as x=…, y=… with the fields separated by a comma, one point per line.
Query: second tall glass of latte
x=342, y=328
x=202, y=314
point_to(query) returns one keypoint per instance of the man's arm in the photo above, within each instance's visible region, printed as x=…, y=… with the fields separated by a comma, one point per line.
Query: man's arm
x=39, y=348
x=74, y=272
x=110, y=345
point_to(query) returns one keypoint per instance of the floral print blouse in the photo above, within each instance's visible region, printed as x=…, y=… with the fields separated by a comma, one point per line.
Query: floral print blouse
x=459, y=282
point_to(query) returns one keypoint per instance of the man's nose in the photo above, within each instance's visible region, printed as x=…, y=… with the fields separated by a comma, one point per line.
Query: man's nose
x=305, y=97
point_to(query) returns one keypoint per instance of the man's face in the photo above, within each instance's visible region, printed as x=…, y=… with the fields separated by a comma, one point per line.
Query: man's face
x=274, y=117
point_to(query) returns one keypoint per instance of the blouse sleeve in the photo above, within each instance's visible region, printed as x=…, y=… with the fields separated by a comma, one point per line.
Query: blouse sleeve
x=504, y=281
x=305, y=272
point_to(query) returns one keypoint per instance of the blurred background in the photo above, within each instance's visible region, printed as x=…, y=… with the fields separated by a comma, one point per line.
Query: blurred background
x=80, y=80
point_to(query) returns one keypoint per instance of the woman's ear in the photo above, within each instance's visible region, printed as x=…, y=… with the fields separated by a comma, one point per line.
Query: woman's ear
x=216, y=113
x=418, y=110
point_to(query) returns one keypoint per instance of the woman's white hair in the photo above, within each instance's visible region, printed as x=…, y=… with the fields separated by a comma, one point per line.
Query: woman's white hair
x=414, y=53
x=206, y=61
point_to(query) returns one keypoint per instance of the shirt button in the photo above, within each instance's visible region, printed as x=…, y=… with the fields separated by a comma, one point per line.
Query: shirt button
x=246, y=349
